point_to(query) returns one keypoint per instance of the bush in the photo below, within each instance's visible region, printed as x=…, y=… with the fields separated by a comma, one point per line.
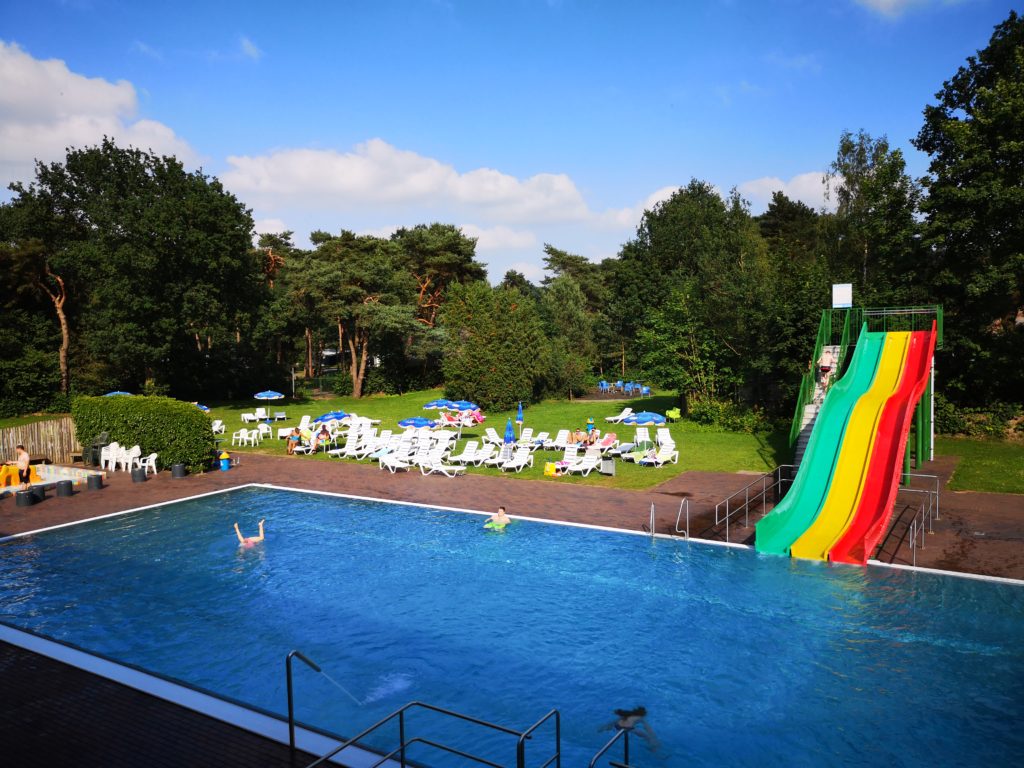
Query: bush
x=995, y=420
x=728, y=416
x=341, y=384
x=179, y=432
x=377, y=381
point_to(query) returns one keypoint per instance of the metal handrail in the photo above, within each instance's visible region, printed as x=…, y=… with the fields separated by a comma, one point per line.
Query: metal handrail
x=404, y=743
x=777, y=480
x=620, y=733
x=683, y=502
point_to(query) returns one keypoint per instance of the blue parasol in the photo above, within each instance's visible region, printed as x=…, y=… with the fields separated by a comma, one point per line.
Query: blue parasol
x=117, y=392
x=463, y=405
x=268, y=394
x=644, y=418
x=416, y=421
x=440, y=404
x=330, y=416
x=510, y=433
x=203, y=408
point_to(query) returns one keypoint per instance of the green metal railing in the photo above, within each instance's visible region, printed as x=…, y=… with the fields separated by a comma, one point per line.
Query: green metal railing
x=884, y=319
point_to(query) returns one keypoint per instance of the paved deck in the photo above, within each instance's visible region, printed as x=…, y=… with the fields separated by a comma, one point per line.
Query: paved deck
x=57, y=715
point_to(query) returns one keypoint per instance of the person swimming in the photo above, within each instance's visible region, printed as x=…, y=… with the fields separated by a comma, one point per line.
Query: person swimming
x=498, y=520
x=251, y=540
x=633, y=720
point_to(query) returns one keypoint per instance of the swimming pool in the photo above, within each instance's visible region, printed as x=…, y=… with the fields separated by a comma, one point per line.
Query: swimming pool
x=738, y=658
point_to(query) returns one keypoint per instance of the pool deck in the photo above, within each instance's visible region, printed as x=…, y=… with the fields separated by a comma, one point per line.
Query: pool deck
x=52, y=714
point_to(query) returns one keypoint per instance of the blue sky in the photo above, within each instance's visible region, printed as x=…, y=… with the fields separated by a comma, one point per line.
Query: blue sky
x=522, y=121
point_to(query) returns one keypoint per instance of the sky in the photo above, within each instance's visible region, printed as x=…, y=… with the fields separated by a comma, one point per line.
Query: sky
x=523, y=122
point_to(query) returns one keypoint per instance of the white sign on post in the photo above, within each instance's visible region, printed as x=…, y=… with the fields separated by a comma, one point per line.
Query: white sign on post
x=842, y=295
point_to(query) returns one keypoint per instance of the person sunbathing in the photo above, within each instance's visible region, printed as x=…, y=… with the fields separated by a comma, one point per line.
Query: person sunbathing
x=250, y=541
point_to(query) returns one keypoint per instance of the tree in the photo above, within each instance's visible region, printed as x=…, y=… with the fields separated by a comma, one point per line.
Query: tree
x=495, y=348
x=974, y=229
x=875, y=232
x=570, y=331
x=360, y=282
x=437, y=256
x=115, y=224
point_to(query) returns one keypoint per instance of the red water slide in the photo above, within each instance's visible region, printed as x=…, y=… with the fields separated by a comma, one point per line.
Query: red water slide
x=886, y=462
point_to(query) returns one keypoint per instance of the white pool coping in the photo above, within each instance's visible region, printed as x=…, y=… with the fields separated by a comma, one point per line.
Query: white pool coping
x=207, y=704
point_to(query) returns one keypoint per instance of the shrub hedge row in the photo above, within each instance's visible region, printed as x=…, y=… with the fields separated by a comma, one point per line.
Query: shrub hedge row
x=179, y=432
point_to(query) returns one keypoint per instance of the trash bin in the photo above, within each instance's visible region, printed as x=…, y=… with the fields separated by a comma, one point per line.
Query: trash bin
x=177, y=470
x=39, y=491
x=607, y=467
x=138, y=475
x=225, y=461
x=25, y=498
x=95, y=482
x=65, y=488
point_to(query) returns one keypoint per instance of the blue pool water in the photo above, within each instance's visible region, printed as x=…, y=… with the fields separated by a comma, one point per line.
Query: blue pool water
x=739, y=658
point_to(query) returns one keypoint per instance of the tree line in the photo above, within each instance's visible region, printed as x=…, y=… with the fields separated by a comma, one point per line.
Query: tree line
x=125, y=271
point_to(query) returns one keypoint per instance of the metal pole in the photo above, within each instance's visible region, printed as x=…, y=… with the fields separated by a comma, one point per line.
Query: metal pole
x=291, y=703
x=401, y=735
x=931, y=421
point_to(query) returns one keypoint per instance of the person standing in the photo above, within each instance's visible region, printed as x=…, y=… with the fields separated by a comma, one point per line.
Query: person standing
x=23, y=461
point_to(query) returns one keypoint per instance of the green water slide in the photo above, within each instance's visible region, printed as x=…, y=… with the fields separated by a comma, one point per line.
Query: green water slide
x=795, y=513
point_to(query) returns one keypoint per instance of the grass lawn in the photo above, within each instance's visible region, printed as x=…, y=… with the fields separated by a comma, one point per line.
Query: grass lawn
x=699, y=448
x=985, y=465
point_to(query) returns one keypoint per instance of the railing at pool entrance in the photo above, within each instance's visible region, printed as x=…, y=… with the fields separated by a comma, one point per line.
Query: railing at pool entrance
x=620, y=733
x=755, y=495
x=398, y=756
x=684, y=507
x=927, y=513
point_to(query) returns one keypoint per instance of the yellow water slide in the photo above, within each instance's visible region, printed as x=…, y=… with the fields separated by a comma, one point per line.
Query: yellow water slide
x=855, y=456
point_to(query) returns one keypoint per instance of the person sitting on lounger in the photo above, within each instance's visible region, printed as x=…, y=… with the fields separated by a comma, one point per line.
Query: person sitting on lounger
x=251, y=540
x=294, y=438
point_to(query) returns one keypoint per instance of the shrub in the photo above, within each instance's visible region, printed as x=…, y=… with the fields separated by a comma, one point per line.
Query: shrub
x=994, y=420
x=728, y=416
x=179, y=432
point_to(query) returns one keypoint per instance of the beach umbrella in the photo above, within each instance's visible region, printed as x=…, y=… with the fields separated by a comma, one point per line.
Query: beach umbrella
x=330, y=416
x=463, y=405
x=117, y=392
x=268, y=394
x=510, y=433
x=203, y=408
x=519, y=418
x=439, y=404
x=416, y=421
x=644, y=418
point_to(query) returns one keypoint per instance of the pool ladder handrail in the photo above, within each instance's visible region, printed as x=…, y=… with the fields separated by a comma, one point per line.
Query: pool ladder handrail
x=620, y=733
x=400, y=750
x=684, y=506
x=758, y=497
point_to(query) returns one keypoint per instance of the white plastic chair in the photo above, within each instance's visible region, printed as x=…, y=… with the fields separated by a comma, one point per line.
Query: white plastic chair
x=239, y=437
x=108, y=455
x=249, y=417
x=148, y=463
x=218, y=427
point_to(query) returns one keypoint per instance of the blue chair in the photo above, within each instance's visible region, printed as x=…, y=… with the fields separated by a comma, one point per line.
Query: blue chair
x=629, y=388
x=602, y=385
x=645, y=391
x=618, y=385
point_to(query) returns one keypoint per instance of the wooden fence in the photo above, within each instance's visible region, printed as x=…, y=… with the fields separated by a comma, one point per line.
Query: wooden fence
x=54, y=440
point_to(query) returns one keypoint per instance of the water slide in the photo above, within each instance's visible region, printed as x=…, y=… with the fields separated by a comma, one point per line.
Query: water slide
x=784, y=524
x=852, y=469
x=875, y=509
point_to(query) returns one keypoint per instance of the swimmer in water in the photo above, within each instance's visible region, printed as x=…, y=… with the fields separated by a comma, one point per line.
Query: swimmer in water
x=632, y=720
x=251, y=540
x=498, y=520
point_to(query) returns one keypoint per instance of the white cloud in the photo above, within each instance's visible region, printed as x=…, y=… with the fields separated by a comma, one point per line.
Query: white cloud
x=45, y=108
x=249, y=49
x=376, y=173
x=269, y=226
x=629, y=217
x=532, y=272
x=805, y=187
x=895, y=8
x=147, y=50
x=499, y=238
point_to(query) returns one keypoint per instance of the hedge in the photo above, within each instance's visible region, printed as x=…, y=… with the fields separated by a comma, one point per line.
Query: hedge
x=179, y=432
